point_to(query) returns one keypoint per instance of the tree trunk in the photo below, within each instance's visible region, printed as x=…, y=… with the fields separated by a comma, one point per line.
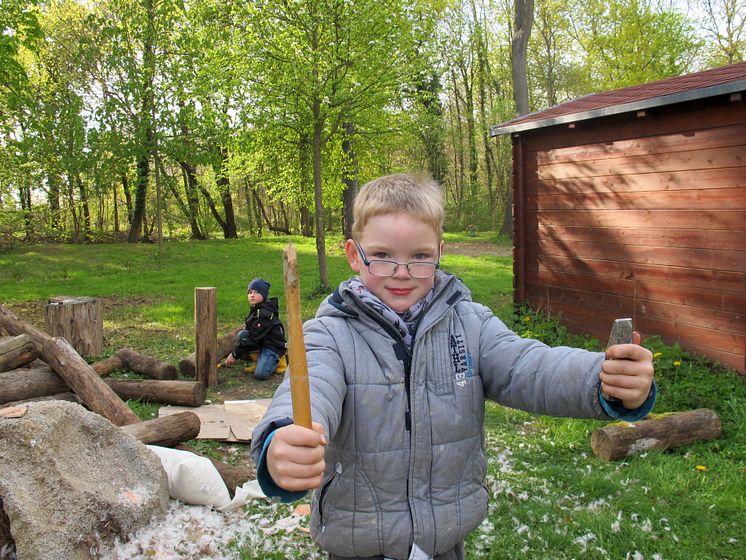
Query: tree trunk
x=665, y=431
x=190, y=187
x=79, y=376
x=523, y=21
x=166, y=430
x=79, y=320
x=205, y=320
x=17, y=351
x=177, y=393
x=319, y=198
x=230, y=231
x=349, y=178
x=29, y=383
x=140, y=363
x=188, y=366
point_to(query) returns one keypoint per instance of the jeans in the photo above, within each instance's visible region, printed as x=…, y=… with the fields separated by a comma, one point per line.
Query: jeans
x=266, y=364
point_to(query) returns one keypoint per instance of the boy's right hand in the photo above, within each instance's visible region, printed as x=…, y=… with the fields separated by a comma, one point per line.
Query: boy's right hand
x=295, y=457
x=230, y=360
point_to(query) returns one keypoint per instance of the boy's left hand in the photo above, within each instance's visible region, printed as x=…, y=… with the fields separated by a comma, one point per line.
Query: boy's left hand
x=627, y=373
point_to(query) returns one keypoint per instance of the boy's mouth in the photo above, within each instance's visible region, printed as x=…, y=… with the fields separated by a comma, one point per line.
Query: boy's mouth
x=400, y=291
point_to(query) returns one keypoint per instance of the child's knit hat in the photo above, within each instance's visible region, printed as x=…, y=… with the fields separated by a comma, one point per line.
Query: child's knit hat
x=259, y=285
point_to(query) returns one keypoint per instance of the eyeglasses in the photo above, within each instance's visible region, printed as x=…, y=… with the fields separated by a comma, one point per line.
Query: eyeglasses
x=385, y=269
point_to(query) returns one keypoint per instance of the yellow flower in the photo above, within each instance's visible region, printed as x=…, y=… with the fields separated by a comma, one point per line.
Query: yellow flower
x=527, y=319
x=657, y=355
x=701, y=468
x=676, y=363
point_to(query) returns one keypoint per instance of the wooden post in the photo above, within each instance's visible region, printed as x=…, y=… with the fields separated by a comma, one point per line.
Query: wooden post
x=206, y=325
x=188, y=365
x=79, y=320
x=17, y=351
x=79, y=376
x=665, y=431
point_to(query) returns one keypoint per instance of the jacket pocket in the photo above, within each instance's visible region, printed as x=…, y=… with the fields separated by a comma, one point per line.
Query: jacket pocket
x=440, y=367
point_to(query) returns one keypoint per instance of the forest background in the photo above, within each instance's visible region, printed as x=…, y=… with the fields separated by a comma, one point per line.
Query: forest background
x=139, y=120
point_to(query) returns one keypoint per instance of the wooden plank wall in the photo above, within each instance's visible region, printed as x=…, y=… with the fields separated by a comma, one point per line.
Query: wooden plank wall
x=642, y=216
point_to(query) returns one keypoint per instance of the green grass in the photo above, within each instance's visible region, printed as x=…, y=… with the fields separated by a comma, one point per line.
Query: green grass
x=550, y=496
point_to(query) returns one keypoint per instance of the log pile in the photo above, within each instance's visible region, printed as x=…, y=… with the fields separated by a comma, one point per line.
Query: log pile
x=37, y=366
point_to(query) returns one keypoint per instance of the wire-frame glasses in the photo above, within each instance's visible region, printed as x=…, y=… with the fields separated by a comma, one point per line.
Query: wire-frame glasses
x=385, y=269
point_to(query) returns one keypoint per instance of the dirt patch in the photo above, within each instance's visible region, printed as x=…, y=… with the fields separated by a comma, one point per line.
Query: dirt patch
x=478, y=249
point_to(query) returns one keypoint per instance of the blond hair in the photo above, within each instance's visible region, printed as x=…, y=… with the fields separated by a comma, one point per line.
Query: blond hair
x=420, y=196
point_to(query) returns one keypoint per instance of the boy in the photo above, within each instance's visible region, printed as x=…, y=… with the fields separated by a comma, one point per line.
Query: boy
x=263, y=339
x=400, y=361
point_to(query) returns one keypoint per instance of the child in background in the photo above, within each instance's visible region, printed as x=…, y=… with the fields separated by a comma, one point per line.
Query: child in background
x=263, y=339
x=400, y=362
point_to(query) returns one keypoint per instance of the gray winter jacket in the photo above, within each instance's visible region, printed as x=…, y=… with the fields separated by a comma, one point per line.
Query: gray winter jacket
x=405, y=462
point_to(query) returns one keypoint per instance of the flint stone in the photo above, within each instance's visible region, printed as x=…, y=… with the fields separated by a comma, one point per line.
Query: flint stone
x=71, y=481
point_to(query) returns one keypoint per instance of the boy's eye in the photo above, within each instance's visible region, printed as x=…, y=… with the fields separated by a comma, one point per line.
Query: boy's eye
x=381, y=255
x=422, y=257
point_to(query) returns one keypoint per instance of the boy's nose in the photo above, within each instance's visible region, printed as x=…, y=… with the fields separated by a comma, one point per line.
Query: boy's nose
x=401, y=271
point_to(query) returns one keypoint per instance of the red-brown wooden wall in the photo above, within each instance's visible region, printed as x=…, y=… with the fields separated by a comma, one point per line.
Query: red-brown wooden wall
x=642, y=216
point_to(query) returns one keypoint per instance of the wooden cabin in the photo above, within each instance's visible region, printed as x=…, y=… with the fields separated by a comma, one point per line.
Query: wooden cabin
x=632, y=203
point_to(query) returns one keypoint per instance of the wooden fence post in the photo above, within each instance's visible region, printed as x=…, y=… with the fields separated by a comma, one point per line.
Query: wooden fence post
x=206, y=343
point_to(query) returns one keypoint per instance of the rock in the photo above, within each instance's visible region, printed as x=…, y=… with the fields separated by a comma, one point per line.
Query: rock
x=72, y=481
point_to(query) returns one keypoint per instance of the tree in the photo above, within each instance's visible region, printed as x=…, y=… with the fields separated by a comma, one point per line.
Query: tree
x=725, y=26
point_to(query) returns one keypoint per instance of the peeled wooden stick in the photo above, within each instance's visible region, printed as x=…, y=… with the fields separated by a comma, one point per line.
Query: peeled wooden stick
x=299, y=390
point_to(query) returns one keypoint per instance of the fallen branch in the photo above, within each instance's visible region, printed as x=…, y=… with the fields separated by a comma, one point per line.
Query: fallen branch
x=140, y=363
x=17, y=351
x=30, y=383
x=188, y=366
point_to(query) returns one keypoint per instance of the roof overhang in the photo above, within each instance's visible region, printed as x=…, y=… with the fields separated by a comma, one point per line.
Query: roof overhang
x=681, y=97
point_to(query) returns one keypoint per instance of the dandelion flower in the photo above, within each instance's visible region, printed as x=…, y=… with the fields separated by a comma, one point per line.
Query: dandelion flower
x=676, y=363
x=657, y=355
x=701, y=468
x=527, y=319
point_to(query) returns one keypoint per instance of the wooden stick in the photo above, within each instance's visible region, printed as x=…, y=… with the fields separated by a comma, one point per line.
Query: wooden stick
x=299, y=390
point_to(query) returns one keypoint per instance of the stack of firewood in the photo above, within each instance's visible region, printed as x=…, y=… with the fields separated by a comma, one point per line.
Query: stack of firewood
x=35, y=365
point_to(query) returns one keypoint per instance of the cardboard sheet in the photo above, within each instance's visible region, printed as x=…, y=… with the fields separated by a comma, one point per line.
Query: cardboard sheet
x=232, y=421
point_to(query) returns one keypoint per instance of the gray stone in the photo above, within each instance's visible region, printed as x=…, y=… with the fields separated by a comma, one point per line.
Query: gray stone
x=71, y=481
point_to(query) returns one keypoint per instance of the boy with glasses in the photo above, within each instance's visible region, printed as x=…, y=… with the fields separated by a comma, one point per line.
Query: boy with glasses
x=400, y=362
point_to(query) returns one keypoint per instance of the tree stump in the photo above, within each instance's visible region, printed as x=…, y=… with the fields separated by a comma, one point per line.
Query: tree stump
x=665, y=431
x=79, y=320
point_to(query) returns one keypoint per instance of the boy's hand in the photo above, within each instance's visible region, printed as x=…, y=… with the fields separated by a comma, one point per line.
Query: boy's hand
x=230, y=360
x=627, y=373
x=295, y=457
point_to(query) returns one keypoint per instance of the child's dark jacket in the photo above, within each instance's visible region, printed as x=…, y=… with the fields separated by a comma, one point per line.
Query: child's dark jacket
x=265, y=330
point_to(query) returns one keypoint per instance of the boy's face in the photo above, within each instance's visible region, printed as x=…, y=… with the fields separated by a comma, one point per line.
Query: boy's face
x=254, y=297
x=403, y=239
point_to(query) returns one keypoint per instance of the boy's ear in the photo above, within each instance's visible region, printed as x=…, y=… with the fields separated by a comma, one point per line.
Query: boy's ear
x=353, y=257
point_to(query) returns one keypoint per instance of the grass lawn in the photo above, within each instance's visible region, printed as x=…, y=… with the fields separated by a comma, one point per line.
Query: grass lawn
x=551, y=497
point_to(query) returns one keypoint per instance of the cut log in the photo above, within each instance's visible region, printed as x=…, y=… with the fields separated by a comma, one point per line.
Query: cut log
x=180, y=393
x=665, y=431
x=206, y=336
x=79, y=320
x=107, y=365
x=17, y=351
x=166, y=430
x=29, y=383
x=92, y=391
x=140, y=363
x=188, y=366
x=233, y=476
